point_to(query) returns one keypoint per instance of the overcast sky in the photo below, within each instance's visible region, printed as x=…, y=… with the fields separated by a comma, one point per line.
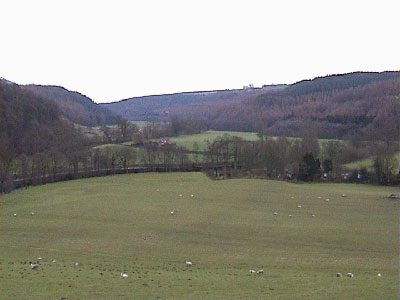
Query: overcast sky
x=111, y=50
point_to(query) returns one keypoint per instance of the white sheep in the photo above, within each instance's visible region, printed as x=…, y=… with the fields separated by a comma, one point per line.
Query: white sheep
x=351, y=275
x=379, y=275
x=327, y=200
x=53, y=261
x=33, y=266
x=313, y=215
x=290, y=216
x=76, y=264
x=192, y=195
x=14, y=215
x=339, y=275
x=252, y=272
x=299, y=206
x=189, y=263
x=180, y=195
x=171, y=212
x=344, y=195
x=260, y=272
x=275, y=213
x=124, y=276
x=32, y=213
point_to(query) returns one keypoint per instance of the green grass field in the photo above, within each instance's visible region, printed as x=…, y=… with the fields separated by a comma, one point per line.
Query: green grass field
x=367, y=163
x=187, y=141
x=140, y=124
x=123, y=223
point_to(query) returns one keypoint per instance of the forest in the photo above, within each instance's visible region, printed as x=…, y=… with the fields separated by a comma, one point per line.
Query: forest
x=75, y=106
x=338, y=107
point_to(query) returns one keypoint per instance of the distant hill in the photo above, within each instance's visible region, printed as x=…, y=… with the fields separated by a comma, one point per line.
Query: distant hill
x=362, y=104
x=30, y=124
x=338, y=82
x=160, y=107
x=75, y=106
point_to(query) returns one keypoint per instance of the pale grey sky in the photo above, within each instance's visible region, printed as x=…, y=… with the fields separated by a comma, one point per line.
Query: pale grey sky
x=110, y=50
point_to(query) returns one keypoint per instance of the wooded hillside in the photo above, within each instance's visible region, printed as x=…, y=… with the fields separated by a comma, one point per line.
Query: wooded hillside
x=344, y=106
x=160, y=107
x=362, y=105
x=34, y=132
x=75, y=106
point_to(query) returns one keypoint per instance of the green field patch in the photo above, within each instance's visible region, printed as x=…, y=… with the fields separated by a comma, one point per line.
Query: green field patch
x=122, y=223
x=187, y=141
x=367, y=163
x=140, y=124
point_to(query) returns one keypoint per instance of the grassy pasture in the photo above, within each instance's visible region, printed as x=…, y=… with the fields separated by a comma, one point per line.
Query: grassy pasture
x=187, y=141
x=202, y=138
x=140, y=124
x=122, y=223
x=367, y=163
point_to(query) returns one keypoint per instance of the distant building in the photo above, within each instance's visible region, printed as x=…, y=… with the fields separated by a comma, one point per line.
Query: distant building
x=248, y=87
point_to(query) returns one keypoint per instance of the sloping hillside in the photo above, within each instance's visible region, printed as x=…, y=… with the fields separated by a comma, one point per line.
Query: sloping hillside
x=30, y=125
x=75, y=106
x=159, y=107
x=362, y=104
x=338, y=82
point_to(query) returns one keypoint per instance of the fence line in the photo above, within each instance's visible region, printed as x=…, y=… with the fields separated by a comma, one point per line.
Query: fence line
x=18, y=183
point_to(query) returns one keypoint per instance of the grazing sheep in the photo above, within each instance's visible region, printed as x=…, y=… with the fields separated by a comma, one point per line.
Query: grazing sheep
x=313, y=215
x=299, y=206
x=14, y=215
x=76, y=264
x=344, y=195
x=39, y=258
x=33, y=266
x=252, y=272
x=379, y=275
x=53, y=261
x=180, y=195
x=124, y=276
x=275, y=213
x=32, y=213
x=260, y=272
x=327, y=200
x=290, y=216
x=319, y=197
x=189, y=263
x=351, y=275
x=192, y=195
x=339, y=275
x=172, y=212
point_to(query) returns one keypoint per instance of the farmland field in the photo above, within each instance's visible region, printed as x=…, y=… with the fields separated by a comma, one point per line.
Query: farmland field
x=367, y=163
x=210, y=135
x=115, y=224
x=187, y=141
